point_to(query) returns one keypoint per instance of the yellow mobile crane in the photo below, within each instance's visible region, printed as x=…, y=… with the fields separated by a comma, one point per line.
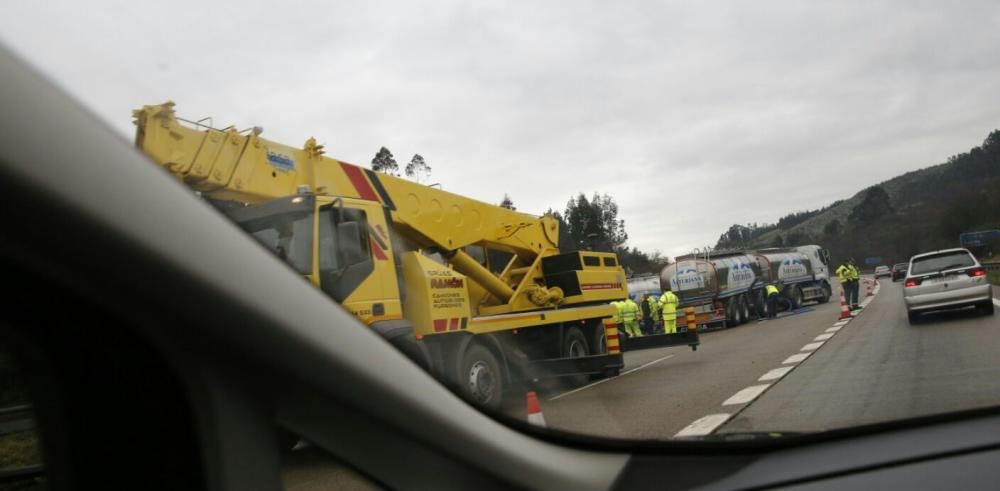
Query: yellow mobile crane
x=478, y=294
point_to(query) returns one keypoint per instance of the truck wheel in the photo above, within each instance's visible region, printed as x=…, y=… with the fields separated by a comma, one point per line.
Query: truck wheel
x=600, y=341
x=744, y=306
x=796, y=298
x=575, y=346
x=732, y=313
x=481, y=377
x=826, y=294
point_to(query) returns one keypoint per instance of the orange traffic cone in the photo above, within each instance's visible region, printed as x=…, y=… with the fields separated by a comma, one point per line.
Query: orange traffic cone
x=535, y=410
x=845, y=313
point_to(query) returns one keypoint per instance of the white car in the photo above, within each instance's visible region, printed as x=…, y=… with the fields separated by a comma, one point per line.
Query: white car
x=945, y=279
x=882, y=271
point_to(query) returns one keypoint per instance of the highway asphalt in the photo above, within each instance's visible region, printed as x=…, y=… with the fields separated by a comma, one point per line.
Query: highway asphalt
x=880, y=368
x=797, y=373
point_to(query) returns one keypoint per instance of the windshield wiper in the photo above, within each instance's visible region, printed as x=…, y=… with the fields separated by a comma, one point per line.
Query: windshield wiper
x=951, y=266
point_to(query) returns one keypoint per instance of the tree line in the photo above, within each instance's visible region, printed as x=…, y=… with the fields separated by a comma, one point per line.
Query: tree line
x=919, y=211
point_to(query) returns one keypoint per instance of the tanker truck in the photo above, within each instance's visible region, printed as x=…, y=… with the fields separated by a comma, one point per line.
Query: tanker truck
x=727, y=288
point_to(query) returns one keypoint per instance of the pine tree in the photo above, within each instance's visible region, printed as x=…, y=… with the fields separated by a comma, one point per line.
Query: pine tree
x=507, y=203
x=384, y=162
x=417, y=169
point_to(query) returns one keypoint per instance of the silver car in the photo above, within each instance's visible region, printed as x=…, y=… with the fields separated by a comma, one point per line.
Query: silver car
x=945, y=279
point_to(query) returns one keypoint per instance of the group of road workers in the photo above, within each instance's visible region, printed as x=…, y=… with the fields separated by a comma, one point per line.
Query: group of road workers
x=648, y=316
x=654, y=315
x=850, y=276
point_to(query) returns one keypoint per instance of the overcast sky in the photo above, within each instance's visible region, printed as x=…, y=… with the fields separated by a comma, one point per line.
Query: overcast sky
x=691, y=117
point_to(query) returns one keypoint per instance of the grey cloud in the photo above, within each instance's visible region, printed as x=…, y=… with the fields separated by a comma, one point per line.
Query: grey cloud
x=692, y=117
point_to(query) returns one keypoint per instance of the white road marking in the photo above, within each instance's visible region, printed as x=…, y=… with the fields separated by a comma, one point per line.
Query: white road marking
x=746, y=395
x=599, y=382
x=796, y=358
x=812, y=346
x=996, y=302
x=776, y=373
x=704, y=425
x=707, y=424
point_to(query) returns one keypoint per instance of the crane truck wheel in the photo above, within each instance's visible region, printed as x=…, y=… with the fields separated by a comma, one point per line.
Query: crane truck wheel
x=600, y=341
x=796, y=298
x=481, y=377
x=575, y=346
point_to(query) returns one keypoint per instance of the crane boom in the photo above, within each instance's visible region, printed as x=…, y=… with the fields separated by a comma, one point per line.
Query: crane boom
x=230, y=165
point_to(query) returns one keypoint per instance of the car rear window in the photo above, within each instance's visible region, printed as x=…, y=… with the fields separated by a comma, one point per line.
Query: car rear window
x=943, y=261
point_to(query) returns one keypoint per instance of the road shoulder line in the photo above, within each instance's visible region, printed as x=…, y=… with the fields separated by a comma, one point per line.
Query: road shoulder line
x=599, y=382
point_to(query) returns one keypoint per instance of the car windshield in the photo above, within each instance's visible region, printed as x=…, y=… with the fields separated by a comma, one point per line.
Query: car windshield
x=941, y=262
x=643, y=221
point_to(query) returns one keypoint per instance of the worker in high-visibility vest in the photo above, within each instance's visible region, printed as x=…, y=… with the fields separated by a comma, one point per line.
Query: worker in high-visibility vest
x=668, y=311
x=772, y=293
x=848, y=275
x=855, y=282
x=651, y=314
x=630, y=317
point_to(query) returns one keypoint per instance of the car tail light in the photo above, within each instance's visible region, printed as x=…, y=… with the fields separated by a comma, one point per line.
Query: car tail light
x=980, y=271
x=910, y=283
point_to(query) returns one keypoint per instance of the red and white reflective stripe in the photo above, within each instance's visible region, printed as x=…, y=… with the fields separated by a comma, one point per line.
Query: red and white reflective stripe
x=600, y=286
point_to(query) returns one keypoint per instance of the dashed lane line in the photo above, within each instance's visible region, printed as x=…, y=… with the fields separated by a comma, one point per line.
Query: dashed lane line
x=746, y=395
x=776, y=373
x=797, y=358
x=708, y=424
x=996, y=302
x=599, y=382
x=704, y=425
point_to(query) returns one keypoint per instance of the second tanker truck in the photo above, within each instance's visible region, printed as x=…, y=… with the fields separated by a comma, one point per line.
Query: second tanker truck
x=728, y=288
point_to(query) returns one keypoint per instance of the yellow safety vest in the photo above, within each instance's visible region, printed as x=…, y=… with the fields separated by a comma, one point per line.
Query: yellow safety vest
x=654, y=308
x=844, y=273
x=668, y=305
x=772, y=290
x=853, y=272
x=630, y=311
x=617, y=318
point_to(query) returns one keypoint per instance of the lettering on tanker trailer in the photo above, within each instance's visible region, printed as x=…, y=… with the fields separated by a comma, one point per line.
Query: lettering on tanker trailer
x=740, y=274
x=688, y=277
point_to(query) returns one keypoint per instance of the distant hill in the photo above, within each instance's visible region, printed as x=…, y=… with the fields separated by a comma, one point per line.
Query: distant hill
x=918, y=211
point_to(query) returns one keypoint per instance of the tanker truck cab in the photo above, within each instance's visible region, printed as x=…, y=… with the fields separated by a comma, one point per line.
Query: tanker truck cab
x=820, y=259
x=796, y=272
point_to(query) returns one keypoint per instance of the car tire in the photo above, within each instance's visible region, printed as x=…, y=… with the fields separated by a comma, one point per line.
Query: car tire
x=987, y=308
x=913, y=317
x=574, y=346
x=481, y=378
